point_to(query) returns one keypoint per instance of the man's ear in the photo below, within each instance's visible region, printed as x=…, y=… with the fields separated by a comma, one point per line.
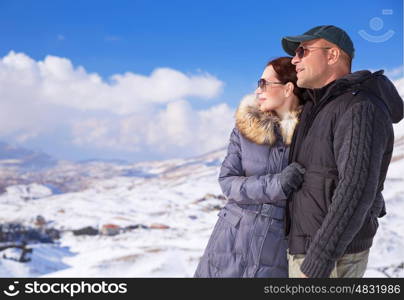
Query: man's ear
x=333, y=55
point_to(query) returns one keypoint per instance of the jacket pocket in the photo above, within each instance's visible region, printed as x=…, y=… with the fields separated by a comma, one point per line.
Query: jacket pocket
x=221, y=250
x=229, y=216
x=225, y=233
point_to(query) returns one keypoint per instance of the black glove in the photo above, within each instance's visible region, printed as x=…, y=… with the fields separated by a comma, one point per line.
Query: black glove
x=291, y=178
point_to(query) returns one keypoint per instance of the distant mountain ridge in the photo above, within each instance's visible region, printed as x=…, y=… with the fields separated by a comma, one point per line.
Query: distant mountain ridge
x=23, y=158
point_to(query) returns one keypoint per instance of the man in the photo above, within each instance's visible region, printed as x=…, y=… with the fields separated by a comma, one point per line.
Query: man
x=345, y=141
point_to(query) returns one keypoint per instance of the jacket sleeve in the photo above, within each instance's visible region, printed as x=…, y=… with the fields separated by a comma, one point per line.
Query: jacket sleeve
x=360, y=142
x=246, y=190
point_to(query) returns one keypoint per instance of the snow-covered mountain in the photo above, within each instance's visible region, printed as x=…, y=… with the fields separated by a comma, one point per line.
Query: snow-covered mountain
x=11, y=156
x=17, y=160
x=170, y=205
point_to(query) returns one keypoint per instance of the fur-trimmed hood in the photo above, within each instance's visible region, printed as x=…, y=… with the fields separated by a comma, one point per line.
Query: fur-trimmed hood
x=264, y=128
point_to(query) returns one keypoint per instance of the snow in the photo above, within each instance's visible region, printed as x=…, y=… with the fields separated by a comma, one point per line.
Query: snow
x=46, y=259
x=169, y=198
x=30, y=191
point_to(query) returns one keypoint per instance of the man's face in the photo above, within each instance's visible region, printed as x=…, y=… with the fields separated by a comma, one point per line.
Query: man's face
x=312, y=68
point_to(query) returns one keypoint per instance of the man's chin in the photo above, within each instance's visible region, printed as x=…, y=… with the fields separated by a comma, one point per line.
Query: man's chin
x=301, y=83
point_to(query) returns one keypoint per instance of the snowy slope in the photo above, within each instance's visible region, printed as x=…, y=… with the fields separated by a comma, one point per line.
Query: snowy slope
x=173, y=197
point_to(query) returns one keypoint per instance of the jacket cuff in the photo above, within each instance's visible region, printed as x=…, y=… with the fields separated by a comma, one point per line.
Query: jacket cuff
x=316, y=268
x=274, y=189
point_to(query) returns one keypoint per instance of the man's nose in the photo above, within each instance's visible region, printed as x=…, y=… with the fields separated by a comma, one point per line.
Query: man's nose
x=295, y=60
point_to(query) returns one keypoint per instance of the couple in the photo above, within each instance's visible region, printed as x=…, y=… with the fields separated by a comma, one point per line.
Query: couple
x=305, y=166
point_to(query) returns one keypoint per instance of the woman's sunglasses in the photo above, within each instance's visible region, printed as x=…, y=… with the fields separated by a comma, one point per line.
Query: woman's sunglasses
x=262, y=83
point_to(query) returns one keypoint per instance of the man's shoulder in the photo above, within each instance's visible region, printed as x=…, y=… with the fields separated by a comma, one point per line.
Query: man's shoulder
x=342, y=103
x=356, y=99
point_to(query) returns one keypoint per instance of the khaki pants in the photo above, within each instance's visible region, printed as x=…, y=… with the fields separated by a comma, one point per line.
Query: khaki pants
x=348, y=266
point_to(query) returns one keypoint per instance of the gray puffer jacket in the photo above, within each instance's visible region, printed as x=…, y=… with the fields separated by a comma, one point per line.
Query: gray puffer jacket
x=248, y=239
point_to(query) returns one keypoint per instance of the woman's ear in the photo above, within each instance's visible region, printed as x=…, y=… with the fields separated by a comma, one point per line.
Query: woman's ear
x=288, y=89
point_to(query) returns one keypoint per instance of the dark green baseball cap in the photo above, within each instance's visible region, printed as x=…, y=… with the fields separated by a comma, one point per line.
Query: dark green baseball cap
x=330, y=33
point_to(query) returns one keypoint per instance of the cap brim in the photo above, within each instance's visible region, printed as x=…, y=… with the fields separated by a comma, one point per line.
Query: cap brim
x=290, y=43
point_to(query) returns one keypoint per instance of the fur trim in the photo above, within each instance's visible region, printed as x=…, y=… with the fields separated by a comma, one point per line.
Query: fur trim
x=259, y=127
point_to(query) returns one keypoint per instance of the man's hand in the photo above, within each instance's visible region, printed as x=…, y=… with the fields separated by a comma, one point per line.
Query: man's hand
x=304, y=275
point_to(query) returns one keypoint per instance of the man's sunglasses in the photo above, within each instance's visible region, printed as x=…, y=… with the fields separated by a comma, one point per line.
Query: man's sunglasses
x=302, y=51
x=262, y=83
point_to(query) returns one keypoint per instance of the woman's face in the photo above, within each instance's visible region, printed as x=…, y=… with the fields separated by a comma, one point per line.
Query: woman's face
x=271, y=96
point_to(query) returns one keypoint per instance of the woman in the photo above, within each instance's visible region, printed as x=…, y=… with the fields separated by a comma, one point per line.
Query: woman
x=248, y=239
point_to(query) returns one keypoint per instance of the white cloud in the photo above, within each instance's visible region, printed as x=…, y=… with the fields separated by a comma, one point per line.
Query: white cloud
x=55, y=80
x=191, y=131
x=399, y=83
x=177, y=130
x=138, y=112
x=395, y=72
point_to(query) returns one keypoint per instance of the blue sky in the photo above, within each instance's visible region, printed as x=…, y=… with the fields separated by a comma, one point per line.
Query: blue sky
x=229, y=40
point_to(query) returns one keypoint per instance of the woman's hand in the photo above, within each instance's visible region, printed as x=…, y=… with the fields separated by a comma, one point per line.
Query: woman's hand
x=291, y=177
